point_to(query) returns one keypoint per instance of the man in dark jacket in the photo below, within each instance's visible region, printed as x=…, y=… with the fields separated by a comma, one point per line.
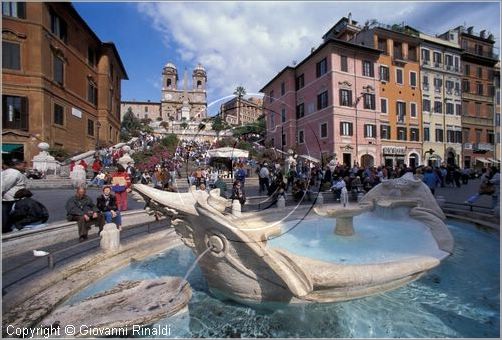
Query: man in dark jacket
x=80, y=208
x=27, y=211
x=107, y=205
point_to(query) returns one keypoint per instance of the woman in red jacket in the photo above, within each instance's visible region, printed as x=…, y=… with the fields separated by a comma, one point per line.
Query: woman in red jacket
x=121, y=185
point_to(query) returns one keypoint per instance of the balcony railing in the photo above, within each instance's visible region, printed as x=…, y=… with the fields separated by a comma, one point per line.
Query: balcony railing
x=482, y=147
x=486, y=54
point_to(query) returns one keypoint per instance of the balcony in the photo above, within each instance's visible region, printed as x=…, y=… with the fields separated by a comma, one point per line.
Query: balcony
x=477, y=97
x=485, y=54
x=482, y=147
x=488, y=121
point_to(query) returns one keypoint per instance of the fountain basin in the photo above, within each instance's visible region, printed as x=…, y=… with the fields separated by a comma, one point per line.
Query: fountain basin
x=243, y=266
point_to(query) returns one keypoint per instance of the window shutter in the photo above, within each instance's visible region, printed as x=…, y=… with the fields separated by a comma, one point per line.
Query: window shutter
x=350, y=129
x=341, y=128
x=365, y=130
x=350, y=98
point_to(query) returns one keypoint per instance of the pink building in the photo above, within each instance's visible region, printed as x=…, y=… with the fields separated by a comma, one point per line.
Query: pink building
x=327, y=105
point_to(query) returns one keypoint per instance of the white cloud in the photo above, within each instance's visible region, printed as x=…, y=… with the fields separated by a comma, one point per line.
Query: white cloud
x=248, y=43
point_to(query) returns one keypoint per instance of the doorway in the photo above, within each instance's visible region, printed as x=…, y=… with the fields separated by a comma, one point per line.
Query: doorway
x=347, y=159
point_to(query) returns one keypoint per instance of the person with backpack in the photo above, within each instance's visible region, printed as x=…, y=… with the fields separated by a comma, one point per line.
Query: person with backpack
x=28, y=213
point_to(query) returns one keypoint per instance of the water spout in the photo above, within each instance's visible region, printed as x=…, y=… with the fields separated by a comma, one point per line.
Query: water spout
x=190, y=270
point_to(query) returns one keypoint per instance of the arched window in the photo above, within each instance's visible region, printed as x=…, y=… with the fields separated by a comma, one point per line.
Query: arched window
x=168, y=83
x=199, y=84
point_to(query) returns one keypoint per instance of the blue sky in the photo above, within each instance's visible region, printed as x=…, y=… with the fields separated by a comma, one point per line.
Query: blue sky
x=248, y=43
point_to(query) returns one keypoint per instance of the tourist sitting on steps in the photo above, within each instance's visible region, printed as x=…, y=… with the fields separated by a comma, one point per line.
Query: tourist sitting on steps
x=80, y=208
x=237, y=193
x=107, y=205
x=28, y=213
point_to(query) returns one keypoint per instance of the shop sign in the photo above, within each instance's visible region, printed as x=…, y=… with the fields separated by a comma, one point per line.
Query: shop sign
x=394, y=150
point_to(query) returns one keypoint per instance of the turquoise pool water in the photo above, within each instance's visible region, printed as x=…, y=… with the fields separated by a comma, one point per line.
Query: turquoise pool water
x=378, y=237
x=460, y=298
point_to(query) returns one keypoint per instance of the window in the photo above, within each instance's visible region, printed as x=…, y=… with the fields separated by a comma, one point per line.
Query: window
x=478, y=109
x=346, y=128
x=14, y=9
x=58, y=26
x=272, y=120
x=382, y=45
x=439, y=135
x=438, y=107
x=11, y=57
x=92, y=93
x=426, y=56
x=398, y=50
x=479, y=89
x=490, y=137
x=466, y=86
x=458, y=110
x=480, y=72
x=146, y=108
x=465, y=108
x=58, y=70
x=369, y=131
x=457, y=88
x=450, y=136
x=450, y=109
x=383, y=105
x=466, y=133
x=384, y=131
x=497, y=119
x=283, y=115
x=300, y=110
x=345, y=98
x=168, y=83
x=401, y=111
x=467, y=69
x=457, y=63
x=368, y=69
x=401, y=133
x=283, y=89
x=369, y=101
x=301, y=137
x=324, y=130
x=448, y=60
x=414, y=134
x=413, y=78
x=426, y=134
x=458, y=136
x=436, y=58
x=384, y=73
x=90, y=127
x=271, y=96
x=449, y=86
x=425, y=83
x=322, y=100
x=91, y=56
x=15, y=113
x=283, y=139
x=343, y=63
x=58, y=114
x=478, y=135
x=321, y=68
x=426, y=105
x=438, y=83
x=300, y=82
x=413, y=110
x=399, y=76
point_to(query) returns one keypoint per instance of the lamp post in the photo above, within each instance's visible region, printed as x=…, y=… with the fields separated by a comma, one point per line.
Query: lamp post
x=430, y=151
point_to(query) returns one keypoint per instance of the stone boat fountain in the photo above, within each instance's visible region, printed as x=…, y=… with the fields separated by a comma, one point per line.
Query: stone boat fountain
x=239, y=263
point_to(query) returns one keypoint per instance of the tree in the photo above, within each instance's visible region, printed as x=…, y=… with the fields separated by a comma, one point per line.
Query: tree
x=130, y=126
x=164, y=124
x=219, y=124
x=170, y=141
x=240, y=92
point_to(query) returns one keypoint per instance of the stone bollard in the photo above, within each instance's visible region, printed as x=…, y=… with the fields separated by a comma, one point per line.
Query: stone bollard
x=281, y=202
x=344, y=197
x=320, y=199
x=236, y=208
x=110, y=238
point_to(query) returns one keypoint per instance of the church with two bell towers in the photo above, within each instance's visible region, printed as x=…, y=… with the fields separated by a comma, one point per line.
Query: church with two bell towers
x=184, y=104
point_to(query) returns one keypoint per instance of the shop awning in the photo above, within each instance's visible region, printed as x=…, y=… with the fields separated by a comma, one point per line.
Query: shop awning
x=482, y=160
x=8, y=148
x=493, y=160
x=228, y=152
